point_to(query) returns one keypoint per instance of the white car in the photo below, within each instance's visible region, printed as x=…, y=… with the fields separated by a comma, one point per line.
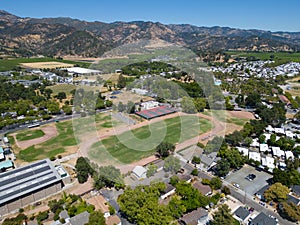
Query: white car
x=236, y=185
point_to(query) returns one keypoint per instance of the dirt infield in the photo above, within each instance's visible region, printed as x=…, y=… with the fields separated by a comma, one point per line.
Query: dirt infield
x=242, y=114
x=46, y=65
x=49, y=130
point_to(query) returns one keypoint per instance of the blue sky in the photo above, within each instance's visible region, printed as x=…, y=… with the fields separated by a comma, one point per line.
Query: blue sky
x=249, y=14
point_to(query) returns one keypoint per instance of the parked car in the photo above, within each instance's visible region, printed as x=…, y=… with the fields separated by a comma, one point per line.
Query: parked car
x=251, y=177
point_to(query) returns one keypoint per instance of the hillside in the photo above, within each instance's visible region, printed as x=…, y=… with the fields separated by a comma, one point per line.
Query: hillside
x=65, y=36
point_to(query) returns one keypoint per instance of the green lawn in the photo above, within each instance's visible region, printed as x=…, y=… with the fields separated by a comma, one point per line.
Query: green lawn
x=10, y=64
x=65, y=138
x=141, y=142
x=53, y=146
x=29, y=134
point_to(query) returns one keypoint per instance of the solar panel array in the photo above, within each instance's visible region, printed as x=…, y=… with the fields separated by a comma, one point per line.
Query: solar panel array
x=26, y=179
x=155, y=112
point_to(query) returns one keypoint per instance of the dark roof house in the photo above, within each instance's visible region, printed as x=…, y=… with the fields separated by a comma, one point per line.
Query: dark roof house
x=80, y=219
x=204, y=189
x=263, y=219
x=242, y=213
x=296, y=189
x=198, y=216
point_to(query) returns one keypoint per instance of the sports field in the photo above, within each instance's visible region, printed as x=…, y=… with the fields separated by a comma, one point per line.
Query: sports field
x=29, y=134
x=141, y=142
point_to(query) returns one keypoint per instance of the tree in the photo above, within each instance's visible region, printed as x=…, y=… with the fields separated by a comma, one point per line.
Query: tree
x=187, y=105
x=121, y=81
x=289, y=211
x=222, y=168
x=223, y=216
x=141, y=206
x=194, y=172
x=121, y=107
x=96, y=218
x=48, y=93
x=61, y=95
x=196, y=160
x=152, y=168
x=108, y=176
x=200, y=104
x=176, y=207
x=164, y=149
x=67, y=109
x=215, y=183
x=226, y=190
x=83, y=170
x=172, y=164
x=276, y=192
x=288, y=177
x=233, y=156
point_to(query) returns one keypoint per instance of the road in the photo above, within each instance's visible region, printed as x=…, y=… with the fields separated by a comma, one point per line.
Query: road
x=248, y=200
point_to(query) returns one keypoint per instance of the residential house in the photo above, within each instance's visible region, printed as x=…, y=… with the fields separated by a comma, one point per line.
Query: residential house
x=170, y=190
x=100, y=203
x=279, y=131
x=80, y=219
x=293, y=199
x=296, y=190
x=255, y=156
x=277, y=152
x=263, y=219
x=241, y=214
x=263, y=148
x=244, y=151
x=255, y=143
x=268, y=162
x=203, y=189
x=196, y=217
x=185, y=177
x=289, y=155
x=139, y=172
x=260, y=193
x=113, y=220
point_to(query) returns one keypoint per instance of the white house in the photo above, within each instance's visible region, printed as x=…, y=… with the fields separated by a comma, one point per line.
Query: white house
x=279, y=131
x=263, y=147
x=255, y=156
x=289, y=155
x=170, y=190
x=277, y=152
x=289, y=134
x=268, y=162
x=268, y=136
x=149, y=105
x=255, y=143
x=270, y=128
x=140, y=172
x=244, y=151
x=139, y=91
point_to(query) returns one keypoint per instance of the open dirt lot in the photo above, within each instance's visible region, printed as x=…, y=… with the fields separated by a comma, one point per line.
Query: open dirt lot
x=46, y=65
x=49, y=130
x=242, y=114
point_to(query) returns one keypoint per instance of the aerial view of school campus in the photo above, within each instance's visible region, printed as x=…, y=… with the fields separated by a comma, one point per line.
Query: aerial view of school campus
x=149, y=113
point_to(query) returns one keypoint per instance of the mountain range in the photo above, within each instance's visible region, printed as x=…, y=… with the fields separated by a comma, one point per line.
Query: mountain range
x=66, y=36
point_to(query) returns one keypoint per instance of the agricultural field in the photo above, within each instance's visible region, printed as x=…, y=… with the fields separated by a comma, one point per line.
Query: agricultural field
x=46, y=65
x=11, y=64
x=141, y=142
x=29, y=134
x=278, y=57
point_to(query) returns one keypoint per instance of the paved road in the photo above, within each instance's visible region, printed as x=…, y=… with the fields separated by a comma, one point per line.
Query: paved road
x=248, y=200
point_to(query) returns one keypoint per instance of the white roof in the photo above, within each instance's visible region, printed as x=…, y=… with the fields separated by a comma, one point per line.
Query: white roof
x=255, y=156
x=289, y=133
x=268, y=136
x=268, y=161
x=289, y=154
x=254, y=143
x=277, y=151
x=82, y=70
x=270, y=128
x=263, y=147
x=279, y=131
x=140, y=171
x=244, y=151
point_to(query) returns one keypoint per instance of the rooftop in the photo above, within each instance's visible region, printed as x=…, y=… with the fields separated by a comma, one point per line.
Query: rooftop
x=80, y=219
x=193, y=217
x=242, y=213
x=263, y=219
x=26, y=179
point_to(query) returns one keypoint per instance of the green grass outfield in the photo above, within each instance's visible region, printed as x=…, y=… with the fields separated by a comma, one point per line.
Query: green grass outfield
x=10, y=64
x=279, y=57
x=141, y=142
x=65, y=137
x=29, y=134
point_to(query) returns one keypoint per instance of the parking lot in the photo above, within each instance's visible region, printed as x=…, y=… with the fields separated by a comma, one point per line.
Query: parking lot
x=250, y=187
